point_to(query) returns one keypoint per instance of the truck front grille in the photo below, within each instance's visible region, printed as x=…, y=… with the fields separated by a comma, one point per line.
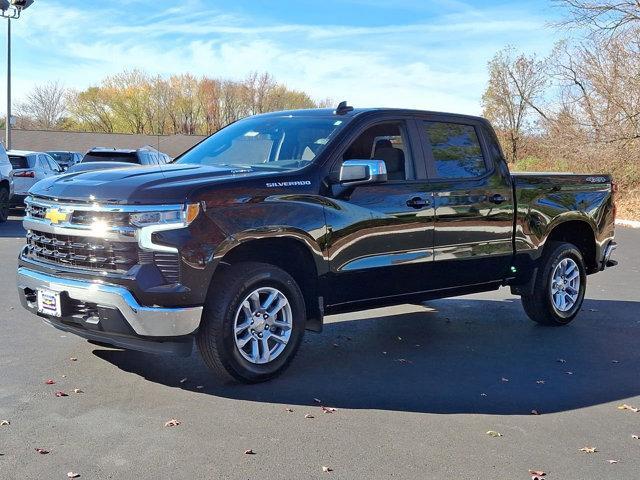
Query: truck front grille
x=85, y=252
x=113, y=253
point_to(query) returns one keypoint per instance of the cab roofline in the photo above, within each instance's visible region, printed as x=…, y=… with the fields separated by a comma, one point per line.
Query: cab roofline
x=331, y=112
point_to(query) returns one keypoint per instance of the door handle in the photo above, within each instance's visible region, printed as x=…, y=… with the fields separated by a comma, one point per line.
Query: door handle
x=497, y=198
x=417, y=202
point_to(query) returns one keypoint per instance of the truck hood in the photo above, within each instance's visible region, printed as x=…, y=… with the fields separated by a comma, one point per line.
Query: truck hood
x=155, y=184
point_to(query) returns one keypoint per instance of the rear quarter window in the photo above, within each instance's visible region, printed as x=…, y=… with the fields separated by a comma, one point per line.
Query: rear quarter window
x=456, y=150
x=19, y=162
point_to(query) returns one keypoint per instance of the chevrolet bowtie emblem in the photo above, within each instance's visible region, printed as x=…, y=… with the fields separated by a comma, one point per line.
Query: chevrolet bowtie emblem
x=56, y=216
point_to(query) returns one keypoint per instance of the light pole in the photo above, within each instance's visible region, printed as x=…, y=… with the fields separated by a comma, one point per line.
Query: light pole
x=11, y=10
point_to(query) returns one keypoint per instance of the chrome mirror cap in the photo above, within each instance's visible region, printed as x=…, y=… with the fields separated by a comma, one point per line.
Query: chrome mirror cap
x=361, y=172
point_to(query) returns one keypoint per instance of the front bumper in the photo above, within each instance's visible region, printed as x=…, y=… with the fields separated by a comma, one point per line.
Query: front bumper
x=106, y=310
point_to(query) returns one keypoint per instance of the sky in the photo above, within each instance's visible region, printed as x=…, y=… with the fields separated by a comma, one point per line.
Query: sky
x=427, y=54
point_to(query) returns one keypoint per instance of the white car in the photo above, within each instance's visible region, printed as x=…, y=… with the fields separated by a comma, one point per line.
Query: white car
x=29, y=168
x=6, y=184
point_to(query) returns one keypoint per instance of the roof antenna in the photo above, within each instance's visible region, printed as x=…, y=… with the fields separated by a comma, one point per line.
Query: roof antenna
x=343, y=108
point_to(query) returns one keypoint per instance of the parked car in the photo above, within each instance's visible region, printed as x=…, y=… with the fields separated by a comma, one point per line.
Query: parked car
x=107, y=158
x=66, y=159
x=252, y=236
x=28, y=169
x=6, y=184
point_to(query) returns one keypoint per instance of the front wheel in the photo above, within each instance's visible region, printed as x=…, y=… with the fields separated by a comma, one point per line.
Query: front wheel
x=253, y=322
x=559, y=286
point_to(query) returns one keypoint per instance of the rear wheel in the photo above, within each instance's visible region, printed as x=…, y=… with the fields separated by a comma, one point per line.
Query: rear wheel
x=4, y=204
x=253, y=322
x=559, y=286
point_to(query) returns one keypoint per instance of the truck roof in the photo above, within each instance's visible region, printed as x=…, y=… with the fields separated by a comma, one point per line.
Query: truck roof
x=321, y=112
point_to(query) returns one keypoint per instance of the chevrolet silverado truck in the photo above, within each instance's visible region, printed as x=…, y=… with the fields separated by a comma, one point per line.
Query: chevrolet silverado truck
x=255, y=234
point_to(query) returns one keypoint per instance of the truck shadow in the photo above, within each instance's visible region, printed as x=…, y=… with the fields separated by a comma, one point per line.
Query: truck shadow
x=456, y=356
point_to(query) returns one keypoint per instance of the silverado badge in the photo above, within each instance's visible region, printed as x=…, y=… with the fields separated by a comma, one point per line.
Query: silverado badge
x=54, y=215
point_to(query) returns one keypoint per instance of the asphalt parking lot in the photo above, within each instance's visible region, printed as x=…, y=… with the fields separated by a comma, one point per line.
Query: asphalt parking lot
x=415, y=391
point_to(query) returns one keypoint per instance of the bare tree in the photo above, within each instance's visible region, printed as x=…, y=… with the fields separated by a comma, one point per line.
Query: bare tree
x=45, y=105
x=515, y=83
x=601, y=16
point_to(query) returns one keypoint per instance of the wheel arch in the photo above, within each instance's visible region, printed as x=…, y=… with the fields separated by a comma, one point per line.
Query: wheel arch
x=297, y=255
x=579, y=233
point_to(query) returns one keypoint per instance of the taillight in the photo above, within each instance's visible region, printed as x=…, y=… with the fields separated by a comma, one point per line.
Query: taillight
x=28, y=174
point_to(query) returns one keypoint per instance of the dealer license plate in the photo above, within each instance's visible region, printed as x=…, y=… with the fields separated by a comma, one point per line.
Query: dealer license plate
x=49, y=303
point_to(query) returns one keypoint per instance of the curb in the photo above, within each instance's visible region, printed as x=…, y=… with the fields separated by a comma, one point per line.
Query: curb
x=628, y=223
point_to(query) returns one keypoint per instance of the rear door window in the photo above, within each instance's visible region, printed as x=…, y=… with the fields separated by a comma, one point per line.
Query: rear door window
x=455, y=149
x=19, y=162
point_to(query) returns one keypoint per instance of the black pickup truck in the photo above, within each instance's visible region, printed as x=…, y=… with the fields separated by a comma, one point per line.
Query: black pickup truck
x=252, y=236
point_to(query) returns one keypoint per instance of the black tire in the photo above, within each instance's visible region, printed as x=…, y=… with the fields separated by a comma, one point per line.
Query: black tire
x=216, y=336
x=539, y=305
x=4, y=204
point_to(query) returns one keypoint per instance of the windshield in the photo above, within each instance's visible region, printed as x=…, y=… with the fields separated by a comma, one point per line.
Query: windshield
x=62, y=157
x=110, y=157
x=271, y=143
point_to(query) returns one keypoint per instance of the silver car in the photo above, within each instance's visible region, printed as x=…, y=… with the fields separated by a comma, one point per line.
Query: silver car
x=6, y=184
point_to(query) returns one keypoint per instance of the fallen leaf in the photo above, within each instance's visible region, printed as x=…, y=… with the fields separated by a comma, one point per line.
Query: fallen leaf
x=289, y=410
x=327, y=469
x=73, y=475
x=42, y=451
x=535, y=412
x=588, y=449
x=77, y=390
x=504, y=379
x=183, y=380
x=172, y=423
x=249, y=452
x=611, y=462
x=73, y=359
x=403, y=360
x=61, y=394
x=4, y=423
x=317, y=400
x=308, y=415
x=537, y=473
x=50, y=382
x=561, y=360
x=629, y=407
x=328, y=409
x=540, y=382
x=492, y=433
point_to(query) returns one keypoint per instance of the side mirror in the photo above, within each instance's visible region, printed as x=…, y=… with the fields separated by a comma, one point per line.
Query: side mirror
x=362, y=172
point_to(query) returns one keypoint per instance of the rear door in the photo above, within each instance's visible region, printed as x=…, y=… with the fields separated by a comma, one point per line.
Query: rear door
x=380, y=241
x=473, y=201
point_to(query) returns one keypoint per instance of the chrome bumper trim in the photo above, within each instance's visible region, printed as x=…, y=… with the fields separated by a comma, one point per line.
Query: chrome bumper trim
x=146, y=321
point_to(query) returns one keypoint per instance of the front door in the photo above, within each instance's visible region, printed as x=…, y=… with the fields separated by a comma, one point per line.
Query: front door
x=381, y=235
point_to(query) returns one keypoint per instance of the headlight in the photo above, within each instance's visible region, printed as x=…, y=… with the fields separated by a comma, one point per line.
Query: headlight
x=180, y=216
